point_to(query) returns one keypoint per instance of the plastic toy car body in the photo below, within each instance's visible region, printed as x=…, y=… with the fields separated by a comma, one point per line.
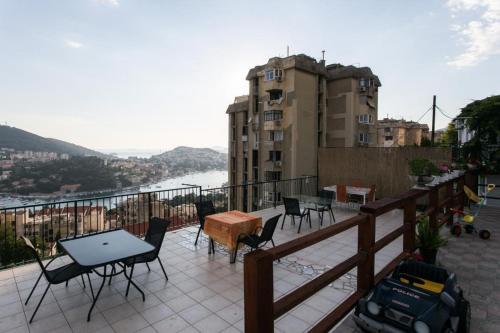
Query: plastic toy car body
x=419, y=298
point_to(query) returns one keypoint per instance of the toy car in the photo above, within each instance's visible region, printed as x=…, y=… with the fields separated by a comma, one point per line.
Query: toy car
x=419, y=298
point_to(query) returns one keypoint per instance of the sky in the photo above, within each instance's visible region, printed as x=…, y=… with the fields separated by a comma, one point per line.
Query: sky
x=130, y=74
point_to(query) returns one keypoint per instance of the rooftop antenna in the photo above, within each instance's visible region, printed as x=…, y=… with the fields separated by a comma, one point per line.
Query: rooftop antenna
x=323, y=57
x=287, y=51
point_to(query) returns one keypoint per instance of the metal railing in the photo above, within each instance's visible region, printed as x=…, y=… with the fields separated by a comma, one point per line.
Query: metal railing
x=46, y=223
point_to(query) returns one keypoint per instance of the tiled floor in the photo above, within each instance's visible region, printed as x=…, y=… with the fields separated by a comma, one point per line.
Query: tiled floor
x=477, y=265
x=204, y=292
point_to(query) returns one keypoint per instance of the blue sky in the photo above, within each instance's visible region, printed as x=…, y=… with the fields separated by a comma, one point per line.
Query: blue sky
x=158, y=74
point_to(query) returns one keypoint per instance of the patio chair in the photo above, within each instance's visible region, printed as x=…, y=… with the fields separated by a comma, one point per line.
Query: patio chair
x=203, y=209
x=293, y=209
x=154, y=236
x=255, y=240
x=55, y=276
x=321, y=209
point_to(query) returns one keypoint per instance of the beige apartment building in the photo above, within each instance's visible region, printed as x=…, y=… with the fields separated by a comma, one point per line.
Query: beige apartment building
x=399, y=133
x=294, y=106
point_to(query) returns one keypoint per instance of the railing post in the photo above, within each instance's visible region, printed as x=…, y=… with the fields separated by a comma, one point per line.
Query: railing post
x=433, y=202
x=259, y=298
x=275, y=194
x=150, y=207
x=76, y=219
x=409, y=221
x=366, y=242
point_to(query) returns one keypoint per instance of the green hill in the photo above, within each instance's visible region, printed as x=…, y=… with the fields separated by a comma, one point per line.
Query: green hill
x=15, y=138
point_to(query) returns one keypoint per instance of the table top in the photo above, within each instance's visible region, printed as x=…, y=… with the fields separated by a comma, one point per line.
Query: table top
x=104, y=248
x=232, y=217
x=351, y=189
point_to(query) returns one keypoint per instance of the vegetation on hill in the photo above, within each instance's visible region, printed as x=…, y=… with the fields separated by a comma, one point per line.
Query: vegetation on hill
x=17, y=139
x=90, y=172
x=182, y=160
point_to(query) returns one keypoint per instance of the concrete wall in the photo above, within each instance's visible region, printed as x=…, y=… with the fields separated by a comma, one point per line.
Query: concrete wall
x=387, y=168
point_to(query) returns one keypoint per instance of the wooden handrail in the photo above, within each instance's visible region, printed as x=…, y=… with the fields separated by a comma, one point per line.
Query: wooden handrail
x=301, y=243
x=297, y=296
x=260, y=308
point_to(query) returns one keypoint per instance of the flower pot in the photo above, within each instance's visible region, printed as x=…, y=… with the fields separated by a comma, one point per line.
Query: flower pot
x=423, y=180
x=429, y=255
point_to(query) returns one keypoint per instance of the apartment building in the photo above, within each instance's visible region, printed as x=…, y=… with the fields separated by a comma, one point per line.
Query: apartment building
x=294, y=106
x=399, y=133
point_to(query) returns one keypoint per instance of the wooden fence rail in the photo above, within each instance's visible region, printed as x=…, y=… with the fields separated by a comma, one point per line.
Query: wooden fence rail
x=260, y=307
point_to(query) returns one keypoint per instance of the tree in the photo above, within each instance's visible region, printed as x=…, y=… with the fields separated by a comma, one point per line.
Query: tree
x=483, y=117
x=450, y=136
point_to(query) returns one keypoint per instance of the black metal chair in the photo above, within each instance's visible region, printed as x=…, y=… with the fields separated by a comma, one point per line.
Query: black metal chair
x=293, y=209
x=154, y=236
x=56, y=276
x=203, y=208
x=325, y=207
x=255, y=240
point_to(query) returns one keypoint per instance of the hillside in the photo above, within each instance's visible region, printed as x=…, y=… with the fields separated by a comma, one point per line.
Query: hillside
x=186, y=159
x=15, y=138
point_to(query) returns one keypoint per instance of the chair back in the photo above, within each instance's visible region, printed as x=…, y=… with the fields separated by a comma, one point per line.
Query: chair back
x=325, y=194
x=341, y=193
x=32, y=249
x=156, y=232
x=292, y=206
x=203, y=209
x=269, y=227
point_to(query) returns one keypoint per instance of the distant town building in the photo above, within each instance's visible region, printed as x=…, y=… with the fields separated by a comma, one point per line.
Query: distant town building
x=296, y=105
x=399, y=132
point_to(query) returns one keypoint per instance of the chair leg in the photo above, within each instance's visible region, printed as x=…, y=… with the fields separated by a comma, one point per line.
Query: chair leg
x=213, y=246
x=83, y=281
x=32, y=290
x=300, y=224
x=272, y=242
x=40, y=302
x=163, y=269
x=113, y=271
x=283, y=222
x=198, y=235
x=333, y=216
x=147, y=265
x=309, y=217
x=320, y=216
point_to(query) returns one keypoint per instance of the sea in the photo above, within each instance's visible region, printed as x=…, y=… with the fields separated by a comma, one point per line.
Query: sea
x=208, y=179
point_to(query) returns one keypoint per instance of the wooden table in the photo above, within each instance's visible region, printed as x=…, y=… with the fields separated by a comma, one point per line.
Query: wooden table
x=225, y=228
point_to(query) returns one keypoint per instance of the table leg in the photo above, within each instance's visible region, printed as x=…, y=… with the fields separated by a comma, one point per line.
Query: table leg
x=97, y=295
x=210, y=245
x=132, y=282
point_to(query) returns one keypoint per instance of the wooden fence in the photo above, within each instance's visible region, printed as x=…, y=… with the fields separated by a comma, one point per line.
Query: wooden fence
x=260, y=307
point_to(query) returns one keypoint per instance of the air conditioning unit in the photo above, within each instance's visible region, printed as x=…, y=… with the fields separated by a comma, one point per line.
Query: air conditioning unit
x=363, y=89
x=278, y=164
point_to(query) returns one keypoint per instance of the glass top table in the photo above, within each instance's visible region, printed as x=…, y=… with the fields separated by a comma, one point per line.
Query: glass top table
x=106, y=248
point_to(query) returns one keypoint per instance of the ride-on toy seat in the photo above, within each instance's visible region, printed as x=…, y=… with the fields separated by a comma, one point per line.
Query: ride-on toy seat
x=417, y=297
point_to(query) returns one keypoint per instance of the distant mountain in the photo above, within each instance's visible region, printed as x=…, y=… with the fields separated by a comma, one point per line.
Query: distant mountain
x=15, y=138
x=220, y=149
x=187, y=159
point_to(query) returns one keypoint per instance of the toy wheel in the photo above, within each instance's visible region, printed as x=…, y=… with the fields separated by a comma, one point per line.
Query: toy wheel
x=484, y=234
x=469, y=229
x=464, y=317
x=456, y=230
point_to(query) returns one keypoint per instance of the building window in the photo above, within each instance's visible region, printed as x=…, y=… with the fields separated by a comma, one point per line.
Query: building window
x=275, y=135
x=362, y=82
x=364, y=137
x=273, y=74
x=275, y=94
x=365, y=119
x=388, y=138
x=273, y=175
x=244, y=130
x=275, y=155
x=387, y=129
x=273, y=115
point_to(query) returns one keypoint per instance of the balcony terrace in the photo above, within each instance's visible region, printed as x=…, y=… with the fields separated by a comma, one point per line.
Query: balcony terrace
x=205, y=293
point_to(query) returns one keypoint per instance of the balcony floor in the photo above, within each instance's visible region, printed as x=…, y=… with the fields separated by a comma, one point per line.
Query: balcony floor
x=476, y=263
x=204, y=292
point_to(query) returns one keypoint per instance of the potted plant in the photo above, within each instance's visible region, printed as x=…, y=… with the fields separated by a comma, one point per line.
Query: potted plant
x=421, y=171
x=428, y=240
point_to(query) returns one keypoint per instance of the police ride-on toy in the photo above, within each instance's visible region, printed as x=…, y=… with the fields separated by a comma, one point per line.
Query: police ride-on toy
x=467, y=219
x=418, y=298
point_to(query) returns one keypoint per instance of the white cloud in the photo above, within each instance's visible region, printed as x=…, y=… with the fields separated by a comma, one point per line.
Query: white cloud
x=114, y=3
x=480, y=36
x=73, y=44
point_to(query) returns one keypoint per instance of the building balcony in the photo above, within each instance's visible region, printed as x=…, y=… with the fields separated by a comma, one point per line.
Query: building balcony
x=273, y=85
x=276, y=104
x=273, y=145
x=272, y=125
x=244, y=138
x=273, y=165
